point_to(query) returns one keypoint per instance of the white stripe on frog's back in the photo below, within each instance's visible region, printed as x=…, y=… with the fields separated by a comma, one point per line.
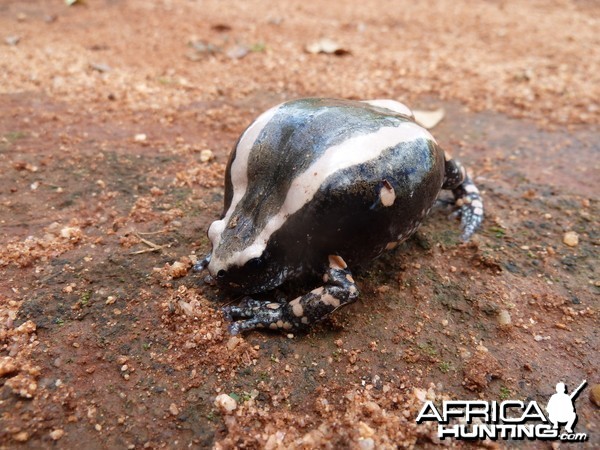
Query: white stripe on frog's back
x=351, y=152
x=239, y=170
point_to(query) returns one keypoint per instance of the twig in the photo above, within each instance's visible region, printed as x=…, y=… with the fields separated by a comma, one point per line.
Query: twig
x=149, y=233
x=149, y=250
x=153, y=247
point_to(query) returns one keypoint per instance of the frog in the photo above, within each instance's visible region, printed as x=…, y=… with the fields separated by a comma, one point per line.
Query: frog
x=315, y=187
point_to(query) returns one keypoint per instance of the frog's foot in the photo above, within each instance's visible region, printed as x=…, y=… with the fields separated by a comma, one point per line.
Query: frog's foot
x=466, y=194
x=470, y=208
x=339, y=290
x=202, y=264
x=250, y=309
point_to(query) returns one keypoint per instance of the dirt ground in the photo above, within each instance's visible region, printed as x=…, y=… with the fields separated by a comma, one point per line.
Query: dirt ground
x=116, y=119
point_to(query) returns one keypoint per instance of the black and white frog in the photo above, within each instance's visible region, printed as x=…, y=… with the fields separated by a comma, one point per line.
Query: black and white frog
x=316, y=186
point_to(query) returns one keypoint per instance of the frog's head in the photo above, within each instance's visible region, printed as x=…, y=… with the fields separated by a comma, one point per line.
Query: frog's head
x=240, y=264
x=244, y=256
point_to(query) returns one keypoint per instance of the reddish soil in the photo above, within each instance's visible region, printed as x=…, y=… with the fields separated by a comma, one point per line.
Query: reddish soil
x=107, y=110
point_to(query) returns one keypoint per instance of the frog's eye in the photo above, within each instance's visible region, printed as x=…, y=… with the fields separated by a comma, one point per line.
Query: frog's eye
x=221, y=274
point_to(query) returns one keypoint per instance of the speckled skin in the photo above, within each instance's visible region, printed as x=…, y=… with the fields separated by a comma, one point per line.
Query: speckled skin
x=291, y=222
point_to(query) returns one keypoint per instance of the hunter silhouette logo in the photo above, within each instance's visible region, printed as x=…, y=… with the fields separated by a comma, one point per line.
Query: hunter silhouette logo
x=561, y=407
x=509, y=419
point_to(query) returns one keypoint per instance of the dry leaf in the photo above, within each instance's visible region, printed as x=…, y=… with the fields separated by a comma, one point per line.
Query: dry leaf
x=429, y=119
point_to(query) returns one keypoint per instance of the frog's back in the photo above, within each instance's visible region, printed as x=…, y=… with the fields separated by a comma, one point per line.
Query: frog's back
x=345, y=164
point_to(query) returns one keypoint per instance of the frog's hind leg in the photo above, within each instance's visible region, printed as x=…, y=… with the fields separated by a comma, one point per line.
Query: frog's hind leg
x=466, y=195
x=338, y=290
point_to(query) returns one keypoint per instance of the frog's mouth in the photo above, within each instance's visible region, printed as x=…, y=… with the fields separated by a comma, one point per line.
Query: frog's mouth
x=248, y=279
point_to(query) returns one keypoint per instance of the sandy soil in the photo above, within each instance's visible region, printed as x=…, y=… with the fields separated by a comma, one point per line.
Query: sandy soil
x=116, y=119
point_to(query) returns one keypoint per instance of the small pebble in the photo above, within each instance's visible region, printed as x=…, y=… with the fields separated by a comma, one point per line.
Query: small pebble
x=420, y=394
x=571, y=239
x=363, y=428
x=186, y=308
x=238, y=52
x=23, y=436
x=7, y=366
x=206, y=155
x=233, y=342
x=70, y=232
x=100, y=67
x=366, y=444
x=225, y=403
x=12, y=40
x=140, y=137
x=173, y=409
x=55, y=435
x=178, y=269
x=504, y=317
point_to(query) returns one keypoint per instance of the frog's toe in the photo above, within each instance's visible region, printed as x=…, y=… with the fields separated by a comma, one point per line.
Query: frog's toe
x=245, y=325
x=201, y=264
x=235, y=327
x=227, y=315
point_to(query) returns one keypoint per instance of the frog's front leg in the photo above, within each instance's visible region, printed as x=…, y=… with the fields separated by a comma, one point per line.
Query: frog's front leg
x=339, y=290
x=467, y=196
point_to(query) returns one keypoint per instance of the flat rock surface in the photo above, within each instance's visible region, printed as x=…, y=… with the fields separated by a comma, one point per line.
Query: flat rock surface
x=116, y=119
